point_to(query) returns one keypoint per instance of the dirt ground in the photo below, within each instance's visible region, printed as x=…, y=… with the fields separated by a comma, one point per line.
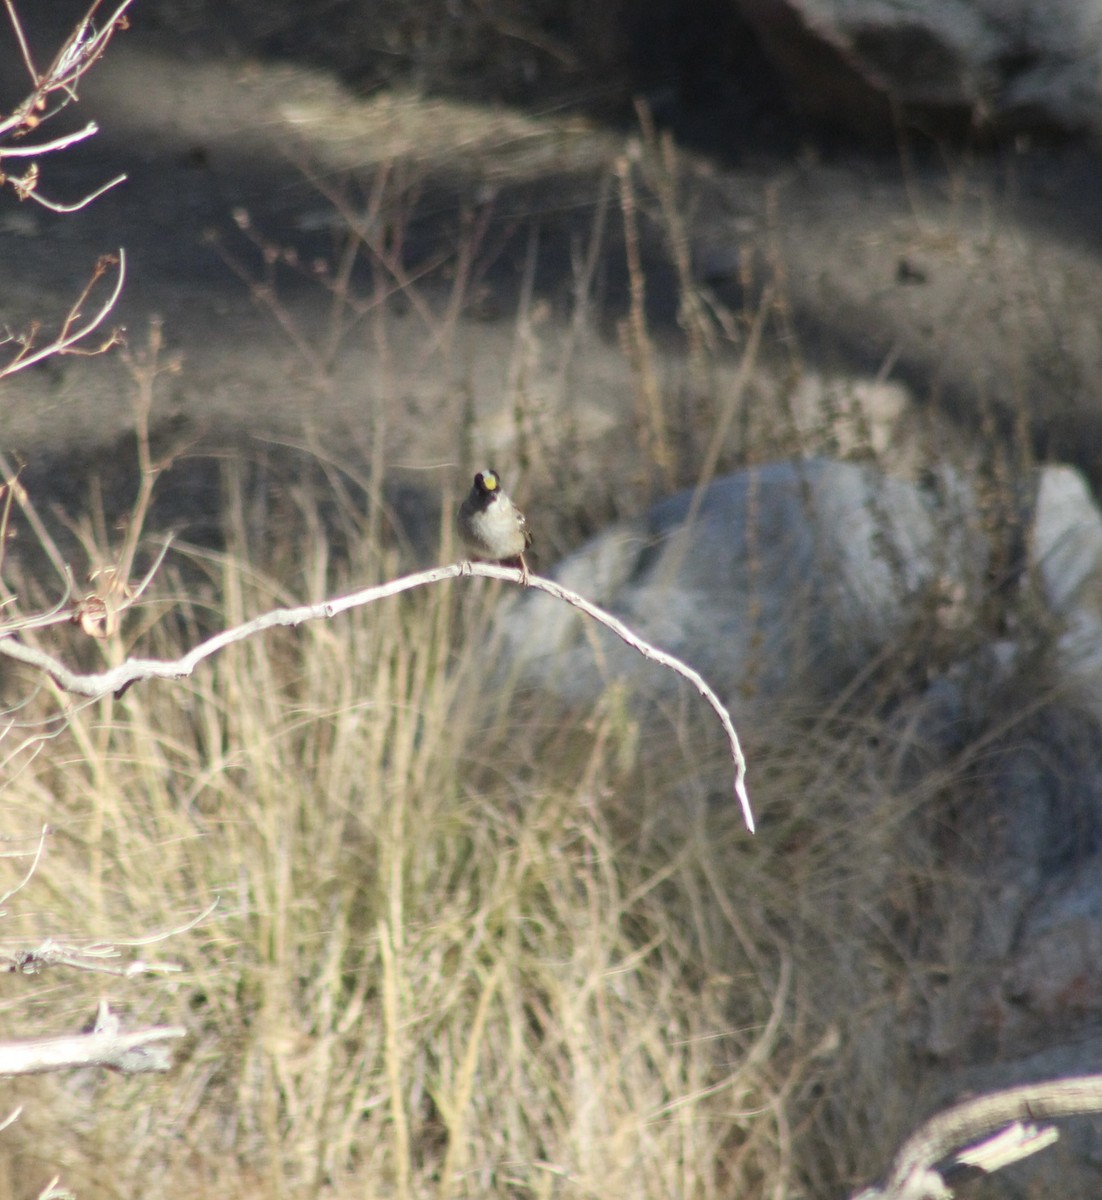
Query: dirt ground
x=972, y=283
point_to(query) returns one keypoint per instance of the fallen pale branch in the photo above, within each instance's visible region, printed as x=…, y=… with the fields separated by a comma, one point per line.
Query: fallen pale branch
x=116, y=680
x=946, y=1143
x=105, y=1046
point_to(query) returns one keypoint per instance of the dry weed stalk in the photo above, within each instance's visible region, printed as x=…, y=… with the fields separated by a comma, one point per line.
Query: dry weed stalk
x=52, y=90
x=100, y=610
x=662, y=168
x=373, y=231
x=635, y=338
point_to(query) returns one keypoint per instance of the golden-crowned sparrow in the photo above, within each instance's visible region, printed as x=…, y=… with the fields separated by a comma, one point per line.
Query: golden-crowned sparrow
x=491, y=525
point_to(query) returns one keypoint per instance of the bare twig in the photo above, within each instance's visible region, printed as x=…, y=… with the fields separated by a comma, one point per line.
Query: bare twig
x=57, y=207
x=52, y=1192
x=147, y=578
x=635, y=339
x=915, y=1173
x=106, y=1046
x=86, y=958
x=58, y=615
x=151, y=938
x=96, y=956
x=18, y=494
x=73, y=329
x=80, y=51
x=21, y=38
x=118, y=679
x=60, y=143
x=30, y=870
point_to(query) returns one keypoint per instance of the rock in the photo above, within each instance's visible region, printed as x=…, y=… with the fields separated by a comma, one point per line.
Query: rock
x=1053, y=981
x=1015, y=66
x=1067, y=549
x=793, y=573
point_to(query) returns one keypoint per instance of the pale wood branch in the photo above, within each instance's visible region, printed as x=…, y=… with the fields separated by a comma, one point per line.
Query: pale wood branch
x=118, y=679
x=88, y=198
x=105, y=1046
x=919, y=1169
x=51, y=90
x=74, y=328
x=30, y=870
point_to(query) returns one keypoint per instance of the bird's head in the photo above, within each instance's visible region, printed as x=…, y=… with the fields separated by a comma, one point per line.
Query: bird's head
x=487, y=482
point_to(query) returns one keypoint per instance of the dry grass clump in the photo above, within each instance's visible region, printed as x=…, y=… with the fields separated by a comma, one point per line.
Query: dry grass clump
x=465, y=945
x=456, y=950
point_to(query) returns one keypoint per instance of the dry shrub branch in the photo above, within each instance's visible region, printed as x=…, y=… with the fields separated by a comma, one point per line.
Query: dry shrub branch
x=119, y=678
x=51, y=90
x=1006, y=1120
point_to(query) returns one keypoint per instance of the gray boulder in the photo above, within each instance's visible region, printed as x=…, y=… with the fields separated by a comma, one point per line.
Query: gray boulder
x=790, y=574
x=1015, y=64
x=793, y=575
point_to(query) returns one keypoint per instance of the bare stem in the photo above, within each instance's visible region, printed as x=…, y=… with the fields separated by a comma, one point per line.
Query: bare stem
x=116, y=680
x=73, y=329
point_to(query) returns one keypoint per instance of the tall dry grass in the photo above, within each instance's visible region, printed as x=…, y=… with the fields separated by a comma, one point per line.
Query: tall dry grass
x=460, y=946
x=468, y=944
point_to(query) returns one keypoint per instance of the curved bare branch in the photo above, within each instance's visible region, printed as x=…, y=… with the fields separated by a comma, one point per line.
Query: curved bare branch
x=105, y=1046
x=118, y=679
x=914, y=1173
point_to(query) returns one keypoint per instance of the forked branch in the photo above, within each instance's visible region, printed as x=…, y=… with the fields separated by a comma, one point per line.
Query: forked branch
x=51, y=90
x=75, y=327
